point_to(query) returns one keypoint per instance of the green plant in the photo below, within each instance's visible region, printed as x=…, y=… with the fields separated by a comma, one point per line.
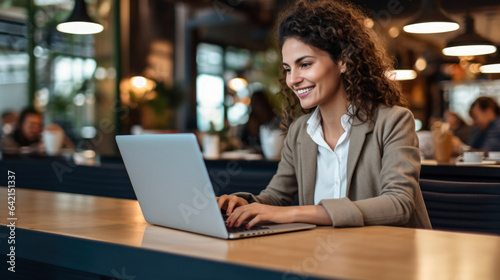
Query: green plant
x=166, y=100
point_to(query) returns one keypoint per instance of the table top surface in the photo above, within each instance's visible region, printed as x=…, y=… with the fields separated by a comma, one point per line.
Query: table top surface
x=486, y=162
x=377, y=252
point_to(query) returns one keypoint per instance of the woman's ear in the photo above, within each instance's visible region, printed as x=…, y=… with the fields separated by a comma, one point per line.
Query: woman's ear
x=342, y=66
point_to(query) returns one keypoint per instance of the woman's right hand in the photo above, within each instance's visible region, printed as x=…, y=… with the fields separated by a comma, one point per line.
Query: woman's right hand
x=230, y=202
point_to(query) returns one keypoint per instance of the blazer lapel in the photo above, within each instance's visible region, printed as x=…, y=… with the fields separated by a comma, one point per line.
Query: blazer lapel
x=308, y=152
x=357, y=140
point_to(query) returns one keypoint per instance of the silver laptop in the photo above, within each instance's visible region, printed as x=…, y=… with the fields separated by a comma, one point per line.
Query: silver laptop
x=173, y=188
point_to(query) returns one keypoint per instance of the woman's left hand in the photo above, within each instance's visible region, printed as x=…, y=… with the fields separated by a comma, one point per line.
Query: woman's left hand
x=257, y=212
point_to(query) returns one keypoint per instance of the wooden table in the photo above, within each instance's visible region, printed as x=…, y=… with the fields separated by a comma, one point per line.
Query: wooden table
x=107, y=236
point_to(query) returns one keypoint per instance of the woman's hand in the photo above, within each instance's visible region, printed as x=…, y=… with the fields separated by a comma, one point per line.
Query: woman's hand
x=257, y=212
x=230, y=202
x=239, y=211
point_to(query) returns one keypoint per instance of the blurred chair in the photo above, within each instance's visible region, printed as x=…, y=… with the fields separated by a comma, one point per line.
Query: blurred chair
x=462, y=206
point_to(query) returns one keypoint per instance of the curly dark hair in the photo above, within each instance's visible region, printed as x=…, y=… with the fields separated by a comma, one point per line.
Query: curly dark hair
x=338, y=28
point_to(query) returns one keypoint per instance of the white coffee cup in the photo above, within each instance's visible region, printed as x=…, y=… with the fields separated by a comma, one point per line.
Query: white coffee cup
x=211, y=146
x=494, y=155
x=473, y=156
x=53, y=140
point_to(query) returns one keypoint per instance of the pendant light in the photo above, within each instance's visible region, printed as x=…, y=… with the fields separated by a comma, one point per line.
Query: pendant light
x=431, y=18
x=492, y=65
x=403, y=70
x=403, y=74
x=469, y=43
x=79, y=22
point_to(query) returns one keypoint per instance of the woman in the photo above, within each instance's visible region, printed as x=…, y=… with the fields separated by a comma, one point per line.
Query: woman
x=27, y=134
x=261, y=113
x=354, y=160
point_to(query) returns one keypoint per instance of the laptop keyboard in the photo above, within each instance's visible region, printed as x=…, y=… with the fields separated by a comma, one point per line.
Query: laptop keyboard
x=243, y=229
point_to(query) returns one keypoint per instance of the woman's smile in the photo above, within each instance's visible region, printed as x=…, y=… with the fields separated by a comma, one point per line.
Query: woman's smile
x=304, y=91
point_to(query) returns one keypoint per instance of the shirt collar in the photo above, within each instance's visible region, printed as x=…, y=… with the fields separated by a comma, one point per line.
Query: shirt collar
x=314, y=121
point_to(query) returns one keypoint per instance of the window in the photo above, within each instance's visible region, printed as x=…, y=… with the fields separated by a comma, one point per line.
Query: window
x=209, y=87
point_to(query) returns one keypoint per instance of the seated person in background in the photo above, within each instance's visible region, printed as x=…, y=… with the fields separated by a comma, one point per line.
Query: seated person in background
x=261, y=112
x=353, y=160
x=486, y=115
x=27, y=136
x=458, y=126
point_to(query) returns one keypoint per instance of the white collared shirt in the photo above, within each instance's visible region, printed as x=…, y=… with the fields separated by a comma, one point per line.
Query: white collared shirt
x=331, y=166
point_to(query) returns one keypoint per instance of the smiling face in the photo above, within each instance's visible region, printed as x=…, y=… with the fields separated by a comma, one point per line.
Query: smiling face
x=312, y=74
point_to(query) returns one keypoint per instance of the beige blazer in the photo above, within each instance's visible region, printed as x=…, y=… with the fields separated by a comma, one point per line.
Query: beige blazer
x=383, y=169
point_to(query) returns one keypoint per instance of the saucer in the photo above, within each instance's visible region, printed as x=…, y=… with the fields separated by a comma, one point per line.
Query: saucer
x=484, y=162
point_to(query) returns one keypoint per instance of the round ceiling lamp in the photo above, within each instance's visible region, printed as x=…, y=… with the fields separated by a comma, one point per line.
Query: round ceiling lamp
x=431, y=18
x=469, y=43
x=492, y=65
x=79, y=22
x=403, y=70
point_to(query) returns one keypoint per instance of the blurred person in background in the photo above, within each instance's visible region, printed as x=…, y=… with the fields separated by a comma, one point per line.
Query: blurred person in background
x=458, y=126
x=26, y=134
x=486, y=115
x=261, y=112
x=26, y=138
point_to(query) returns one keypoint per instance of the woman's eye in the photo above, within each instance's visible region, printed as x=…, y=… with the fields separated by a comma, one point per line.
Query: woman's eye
x=304, y=65
x=287, y=70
